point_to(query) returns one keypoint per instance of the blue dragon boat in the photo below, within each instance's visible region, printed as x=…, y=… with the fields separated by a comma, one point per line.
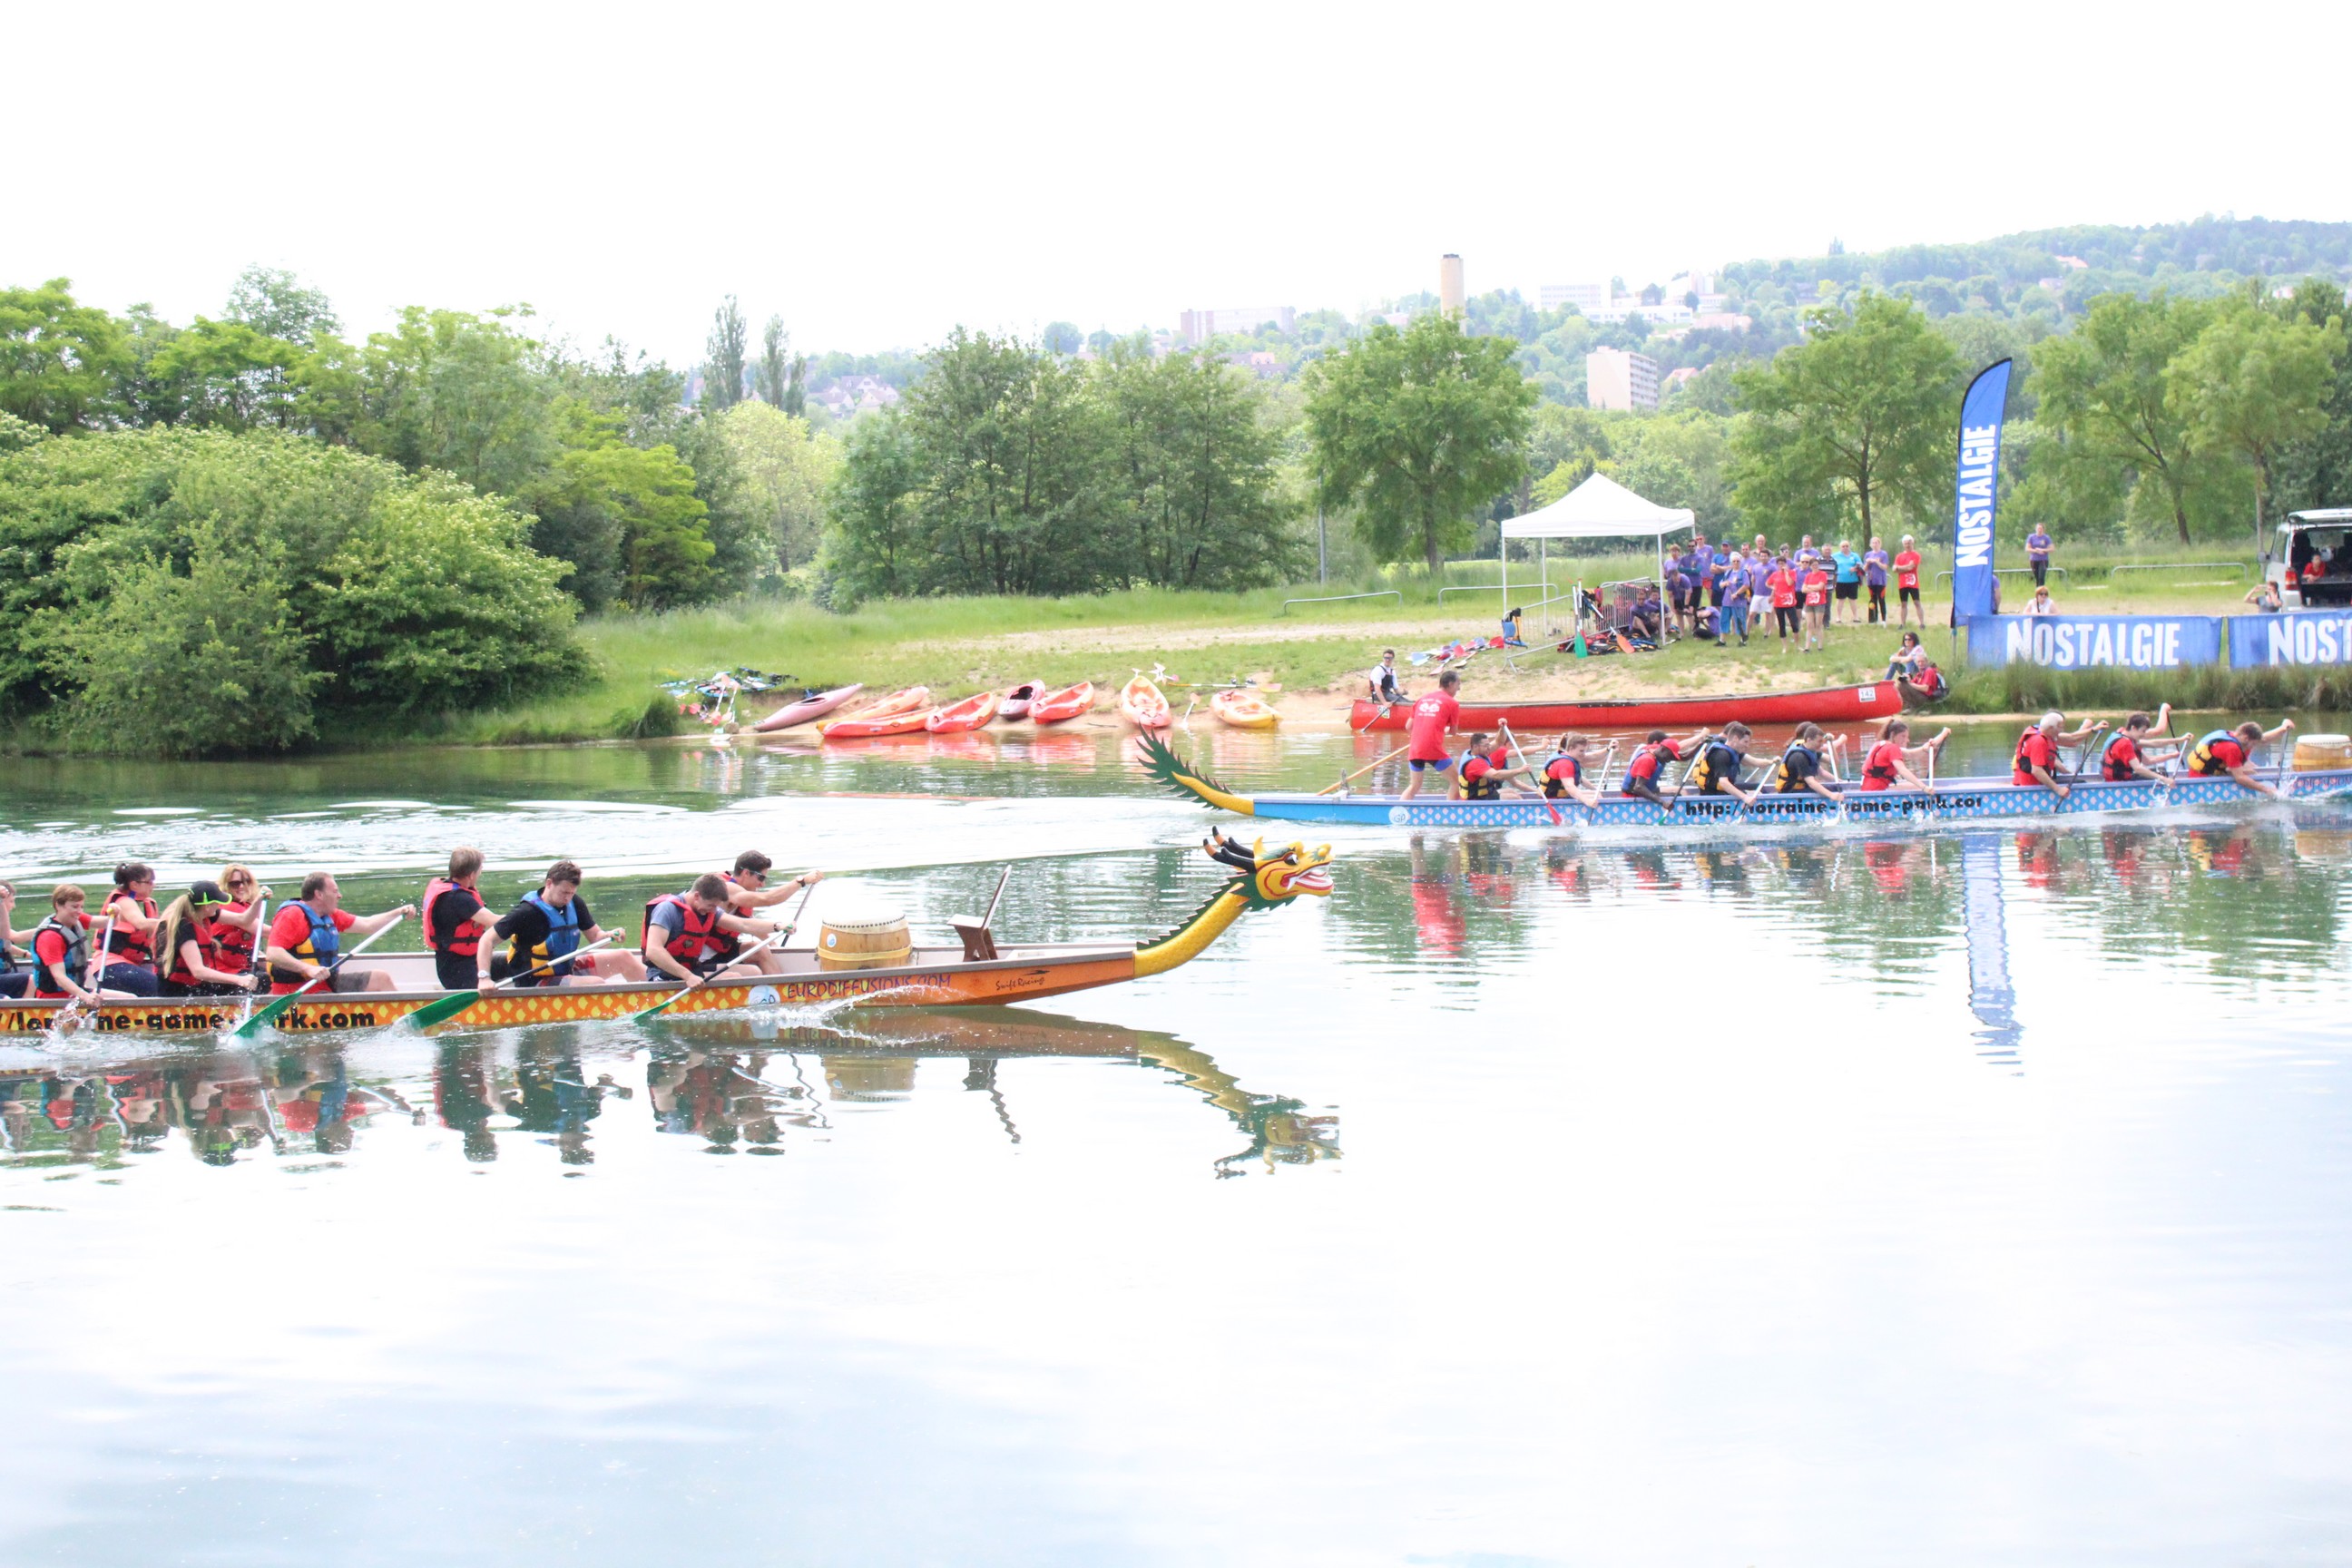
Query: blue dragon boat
x=1985, y=799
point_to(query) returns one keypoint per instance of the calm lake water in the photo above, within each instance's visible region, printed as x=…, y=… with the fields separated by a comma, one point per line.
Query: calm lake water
x=1952, y=1199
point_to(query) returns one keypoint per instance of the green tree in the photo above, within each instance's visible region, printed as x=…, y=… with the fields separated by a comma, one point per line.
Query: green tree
x=444, y=389
x=58, y=360
x=788, y=471
x=221, y=373
x=1858, y=415
x=1424, y=425
x=276, y=304
x=2251, y=385
x=728, y=349
x=874, y=544
x=774, y=374
x=1195, y=463
x=2103, y=385
x=1061, y=338
x=2317, y=471
x=627, y=517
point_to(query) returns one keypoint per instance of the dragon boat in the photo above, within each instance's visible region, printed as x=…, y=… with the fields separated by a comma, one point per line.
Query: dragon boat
x=1952, y=800
x=1822, y=705
x=980, y=973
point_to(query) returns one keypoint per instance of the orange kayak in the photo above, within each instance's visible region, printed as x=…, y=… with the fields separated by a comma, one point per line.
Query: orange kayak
x=901, y=713
x=1243, y=710
x=1145, y=707
x=1020, y=700
x=1056, y=707
x=969, y=715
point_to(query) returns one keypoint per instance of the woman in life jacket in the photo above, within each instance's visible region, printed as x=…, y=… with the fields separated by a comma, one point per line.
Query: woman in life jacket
x=132, y=924
x=240, y=918
x=1562, y=773
x=195, y=964
x=1716, y=769
x=1889, y=761
x=1645, y=775
x=1801, y=763
x=2129, y=753
x=690, y=936
x=1486, y=768
x=545, y=926
x=2231, y=753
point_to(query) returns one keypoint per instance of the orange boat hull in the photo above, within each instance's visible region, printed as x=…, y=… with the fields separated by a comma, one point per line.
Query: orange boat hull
x=1058, y=707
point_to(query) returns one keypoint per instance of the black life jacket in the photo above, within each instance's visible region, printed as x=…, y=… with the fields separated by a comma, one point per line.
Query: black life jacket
x=562, y=936
x=77, y=959
x=1554, y=786
x=1487, y=786
x=1780, y=775
x=1717, y=764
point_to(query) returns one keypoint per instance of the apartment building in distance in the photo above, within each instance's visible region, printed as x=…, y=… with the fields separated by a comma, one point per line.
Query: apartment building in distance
x=1615, y=379
x=1197, y=327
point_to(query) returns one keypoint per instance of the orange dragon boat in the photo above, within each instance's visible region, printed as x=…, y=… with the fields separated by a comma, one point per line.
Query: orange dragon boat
x=979, y=972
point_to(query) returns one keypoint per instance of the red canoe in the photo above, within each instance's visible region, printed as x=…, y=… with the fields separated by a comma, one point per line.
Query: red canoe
x=969, y=715
x=1056, y=707
x=901, y=713
x=808, y=708
x=1827, y=705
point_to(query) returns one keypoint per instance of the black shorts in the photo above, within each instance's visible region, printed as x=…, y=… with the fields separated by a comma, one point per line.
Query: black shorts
x=1849, y=590
x=455, y=971
x=200, y=988
x=1906, y=595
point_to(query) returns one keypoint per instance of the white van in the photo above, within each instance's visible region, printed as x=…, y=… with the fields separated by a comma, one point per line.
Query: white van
x=2305, y=537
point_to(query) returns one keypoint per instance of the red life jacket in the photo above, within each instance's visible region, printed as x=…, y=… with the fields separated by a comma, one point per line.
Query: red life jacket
x=235, y=944
x=2021, y=765
x=124, y=945
x=468, y=940
x=2115, y=768
x=1878, y=771
x=698, y=936
x=208, y=945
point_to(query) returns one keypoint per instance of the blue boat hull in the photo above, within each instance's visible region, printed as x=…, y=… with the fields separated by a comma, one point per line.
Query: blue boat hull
x=1954, y=800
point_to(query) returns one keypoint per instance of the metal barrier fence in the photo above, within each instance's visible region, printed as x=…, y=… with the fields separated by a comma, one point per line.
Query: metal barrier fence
x=2237, y=566
x=1496, y=588
x=1340, y=598
x=2019, y=571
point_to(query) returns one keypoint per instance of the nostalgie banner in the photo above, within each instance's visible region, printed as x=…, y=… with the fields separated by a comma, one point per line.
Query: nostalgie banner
x=1974, y=492
x=2097, y=642
x=2303, y=637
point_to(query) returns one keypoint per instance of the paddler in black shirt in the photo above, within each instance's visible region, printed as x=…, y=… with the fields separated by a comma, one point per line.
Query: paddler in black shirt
x=1715, y=770
x=550, y=924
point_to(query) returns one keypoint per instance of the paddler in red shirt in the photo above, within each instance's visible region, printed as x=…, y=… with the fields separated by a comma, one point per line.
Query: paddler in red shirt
x=1645, y=775
x=1487, y=768
x=1906, y=584
x=1889, y=761
x=2231, y=752
x=1562, y=774
x=1425, y=729
x=2036, y=761
x=2126, y=756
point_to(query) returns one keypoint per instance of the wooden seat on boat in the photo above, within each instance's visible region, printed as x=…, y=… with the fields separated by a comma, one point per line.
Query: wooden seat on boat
x=979, y=943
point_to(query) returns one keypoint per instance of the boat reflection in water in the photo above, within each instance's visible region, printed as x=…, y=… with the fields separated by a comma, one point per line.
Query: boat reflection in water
x=737, y=1084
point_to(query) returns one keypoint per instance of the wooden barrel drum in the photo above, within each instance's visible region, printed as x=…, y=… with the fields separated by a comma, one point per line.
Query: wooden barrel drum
x=867, y=939
x=2315, y=751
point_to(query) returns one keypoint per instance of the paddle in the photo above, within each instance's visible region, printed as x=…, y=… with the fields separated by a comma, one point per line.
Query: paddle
x=1360, y=772
x=1520, y=753
x=773, y=940
x=456, y=1002
x=271, y=1013
x=69, y=1017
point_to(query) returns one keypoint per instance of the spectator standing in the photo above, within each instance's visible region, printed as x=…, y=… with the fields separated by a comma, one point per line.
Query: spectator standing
x=1782, y=586
x=2037, y=556
x=1906, y=583
x=1874, y=577
x=1738, y=592
x=1849, y=582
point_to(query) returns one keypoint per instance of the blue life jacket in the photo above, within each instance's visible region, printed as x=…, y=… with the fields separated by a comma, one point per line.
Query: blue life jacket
x=562, y=936
x=323, y=945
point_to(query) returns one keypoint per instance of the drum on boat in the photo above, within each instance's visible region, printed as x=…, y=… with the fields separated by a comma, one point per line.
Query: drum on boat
x=863, y=939
x=2313, y=753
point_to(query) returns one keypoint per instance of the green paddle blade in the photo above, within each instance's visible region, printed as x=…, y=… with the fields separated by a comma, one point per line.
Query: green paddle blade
x=266, y=1015
x=449, y=1006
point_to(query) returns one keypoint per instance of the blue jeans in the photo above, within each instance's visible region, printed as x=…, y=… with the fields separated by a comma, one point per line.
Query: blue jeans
x=1735, y=619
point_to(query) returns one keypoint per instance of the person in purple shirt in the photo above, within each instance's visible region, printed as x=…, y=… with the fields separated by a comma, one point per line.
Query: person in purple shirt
x=2037, y=556
x=1759, y=572
x=1874, y=577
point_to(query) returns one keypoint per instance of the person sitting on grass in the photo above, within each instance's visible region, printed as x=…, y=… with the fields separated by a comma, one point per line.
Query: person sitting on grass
x=2042, y=604
x=1908, y=655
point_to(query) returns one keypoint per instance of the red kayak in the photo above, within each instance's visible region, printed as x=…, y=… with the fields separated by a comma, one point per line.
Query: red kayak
x=1827, y=705
x=1057, y=707
x=969, y=715
x=816, y=705
x=901, y=713
x=1020, y=700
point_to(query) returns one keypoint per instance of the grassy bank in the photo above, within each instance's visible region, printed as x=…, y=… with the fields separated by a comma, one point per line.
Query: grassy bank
x=956, y=646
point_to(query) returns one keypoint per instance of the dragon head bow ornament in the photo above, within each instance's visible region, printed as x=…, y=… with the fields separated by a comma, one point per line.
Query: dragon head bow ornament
x=1270, y=879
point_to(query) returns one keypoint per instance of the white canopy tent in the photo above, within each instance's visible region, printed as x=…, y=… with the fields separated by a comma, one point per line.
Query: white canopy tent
x=1599, y=507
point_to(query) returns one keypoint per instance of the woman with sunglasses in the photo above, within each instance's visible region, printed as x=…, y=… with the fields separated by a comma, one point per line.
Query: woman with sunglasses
x=240, y=918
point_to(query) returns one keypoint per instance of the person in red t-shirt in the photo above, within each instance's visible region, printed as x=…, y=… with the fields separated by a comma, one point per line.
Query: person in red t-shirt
x=1425, y=729
x=2230, y=752
x=2127, y=757
x=1889, y=761
x=1817, y=607
x=1906, y=584
x=1782, y=585
x=306, y=940
x=2036, y=761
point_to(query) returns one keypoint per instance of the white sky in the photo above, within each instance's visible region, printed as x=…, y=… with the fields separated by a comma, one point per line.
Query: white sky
x=878, y=173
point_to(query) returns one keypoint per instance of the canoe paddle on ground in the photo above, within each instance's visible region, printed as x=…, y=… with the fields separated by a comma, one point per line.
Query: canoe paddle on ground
x=774, y=939
x=271, y=1013
x=456, y=1002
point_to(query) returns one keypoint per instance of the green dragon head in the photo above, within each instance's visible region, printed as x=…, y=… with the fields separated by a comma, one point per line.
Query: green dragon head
x=1266, y=880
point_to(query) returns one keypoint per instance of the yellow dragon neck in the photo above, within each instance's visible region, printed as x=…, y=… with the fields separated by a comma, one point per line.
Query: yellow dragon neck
x=1187, y=940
